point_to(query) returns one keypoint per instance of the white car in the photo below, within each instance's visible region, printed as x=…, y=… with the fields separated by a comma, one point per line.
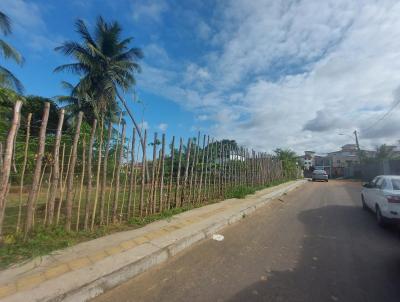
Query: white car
x=382, y=196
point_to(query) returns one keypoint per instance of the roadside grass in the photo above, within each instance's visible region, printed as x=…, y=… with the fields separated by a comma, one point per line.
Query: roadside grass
x=242, y=191
x=142, y=221
x=42, y=241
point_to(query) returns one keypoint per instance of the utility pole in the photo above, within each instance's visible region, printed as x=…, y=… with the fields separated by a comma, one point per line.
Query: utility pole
x=358, y=146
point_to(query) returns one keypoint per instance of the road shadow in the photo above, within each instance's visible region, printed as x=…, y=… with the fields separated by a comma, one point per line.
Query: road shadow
x=345, y=257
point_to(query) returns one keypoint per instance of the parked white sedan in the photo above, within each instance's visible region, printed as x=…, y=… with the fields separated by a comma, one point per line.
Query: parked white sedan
x=382, y=196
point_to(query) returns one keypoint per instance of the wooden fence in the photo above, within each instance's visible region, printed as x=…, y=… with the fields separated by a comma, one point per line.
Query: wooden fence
x=84, y=178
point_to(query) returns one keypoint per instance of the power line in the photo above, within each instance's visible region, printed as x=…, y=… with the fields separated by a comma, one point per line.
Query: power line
x=381, y=118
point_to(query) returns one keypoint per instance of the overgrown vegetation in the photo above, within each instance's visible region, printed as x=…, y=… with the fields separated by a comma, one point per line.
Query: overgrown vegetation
x=241, y=192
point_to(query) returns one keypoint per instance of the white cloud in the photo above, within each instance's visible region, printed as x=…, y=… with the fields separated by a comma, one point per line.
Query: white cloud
x=144, y=125
x=204, y=30
x=281, y=64
x=163, y=127
x=29, y=25
x=150, y=10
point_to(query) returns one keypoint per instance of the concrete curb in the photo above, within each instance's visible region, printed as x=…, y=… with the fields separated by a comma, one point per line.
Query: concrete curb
x=92, y=275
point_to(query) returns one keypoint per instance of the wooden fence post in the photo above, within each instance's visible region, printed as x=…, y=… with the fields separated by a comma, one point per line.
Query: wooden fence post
x=150, y=200
x=201, y=171
x=171, y=173
x=104, y=176
x=78, y=215
x=6, y=167
x=36, y=175
x=194, y=169
x=162, y=173
x=118, y=174
x=96, y=197
x=187, y=162
x=206, y=188
x=178, y=175
x=90, y=175
x=21, y=188
x=55, y=178
x=71, y=173
x=132, y=194
x=143, y=174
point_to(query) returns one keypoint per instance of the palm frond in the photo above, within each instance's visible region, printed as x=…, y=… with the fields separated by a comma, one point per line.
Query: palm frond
x=82, y=30
x=5, y=23
x=77, y=68
x=10, y=52
x=9, y=80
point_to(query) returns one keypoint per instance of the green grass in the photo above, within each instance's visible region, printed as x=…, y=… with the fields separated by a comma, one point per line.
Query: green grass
x=43, y=241
x=141, y=221
x=239, y=192
x=244, y=190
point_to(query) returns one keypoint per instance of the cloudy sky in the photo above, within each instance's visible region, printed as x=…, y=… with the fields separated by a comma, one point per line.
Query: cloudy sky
x=268, y=73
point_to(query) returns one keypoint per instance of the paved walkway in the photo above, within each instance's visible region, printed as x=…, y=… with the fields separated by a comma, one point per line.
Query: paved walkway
x=88, y=269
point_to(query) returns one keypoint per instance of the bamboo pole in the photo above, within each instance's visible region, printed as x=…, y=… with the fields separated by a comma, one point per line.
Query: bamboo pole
x=201, y=171
x=56, y=168
x=153, y=171
x=96, y=197
x=6, y=167
x=158, y=168
x=38, y=167
x=47, y=196
x=131, y=193
x=63, y=184
x=118, y=174
x=206, y=173
x=162, y=173
x=171, y=173
x=71, y=173
x=216, y=164
x=186, y=175
x=193, y=169
x=178, y=174
x=220, y=169
x=143, y=174
x=90, y=175
x=38, y=194
x=78, y=215
x=21, y=188
x=104, y=176
x=210, y=163
x=124, y=193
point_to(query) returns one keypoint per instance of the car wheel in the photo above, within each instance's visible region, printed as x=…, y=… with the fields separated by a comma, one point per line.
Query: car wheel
x=379, y=218
x=326, y=180
x=364, y=205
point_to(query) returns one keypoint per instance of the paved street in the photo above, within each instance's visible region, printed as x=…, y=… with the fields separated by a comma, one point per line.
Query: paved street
x=314, y=244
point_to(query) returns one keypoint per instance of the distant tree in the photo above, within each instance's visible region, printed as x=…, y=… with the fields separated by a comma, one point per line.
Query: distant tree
x=7, y=78
x=35, y=104
x=289, y=161
x=384, y=152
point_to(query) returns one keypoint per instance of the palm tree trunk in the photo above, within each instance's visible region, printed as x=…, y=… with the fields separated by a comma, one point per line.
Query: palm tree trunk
x=138, y=130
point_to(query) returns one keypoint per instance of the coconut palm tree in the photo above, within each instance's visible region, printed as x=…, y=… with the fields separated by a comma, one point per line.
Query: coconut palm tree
x=7, y=78
x=106, y=65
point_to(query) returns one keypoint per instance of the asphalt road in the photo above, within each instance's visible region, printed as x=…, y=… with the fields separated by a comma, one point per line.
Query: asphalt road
x=314, y=244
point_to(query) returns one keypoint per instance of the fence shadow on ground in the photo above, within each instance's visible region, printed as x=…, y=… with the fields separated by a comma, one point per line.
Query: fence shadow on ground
x=345, y=257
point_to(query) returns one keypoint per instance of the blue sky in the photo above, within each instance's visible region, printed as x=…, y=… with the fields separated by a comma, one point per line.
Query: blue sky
x=267, y=73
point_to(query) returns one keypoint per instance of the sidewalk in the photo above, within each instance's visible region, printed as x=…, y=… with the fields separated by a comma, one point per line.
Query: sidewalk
x=88, y=269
